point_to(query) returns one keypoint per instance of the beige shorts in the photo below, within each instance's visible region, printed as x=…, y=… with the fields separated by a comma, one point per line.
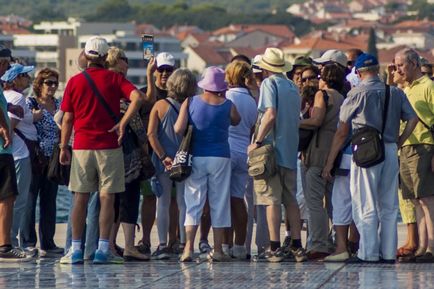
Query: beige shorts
x=97, y=171
x=279, y=189
x=417, y=178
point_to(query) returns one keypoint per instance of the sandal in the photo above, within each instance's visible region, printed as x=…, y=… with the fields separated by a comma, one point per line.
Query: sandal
x=187, y=256
x=404, y=251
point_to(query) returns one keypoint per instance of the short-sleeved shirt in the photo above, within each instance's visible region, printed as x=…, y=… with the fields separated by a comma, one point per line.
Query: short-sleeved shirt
x=48, y=132
x=421, y=97
x=91, y=121
x=365, y=104
x=25, y=125
x=239, y=135
x=4, y=110
x=281, y=94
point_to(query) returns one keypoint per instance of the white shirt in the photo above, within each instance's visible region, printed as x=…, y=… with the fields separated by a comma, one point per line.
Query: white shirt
x=19, y=148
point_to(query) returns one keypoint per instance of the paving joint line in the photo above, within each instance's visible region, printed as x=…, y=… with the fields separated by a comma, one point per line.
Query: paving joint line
x=175, y=273
x=331, y=276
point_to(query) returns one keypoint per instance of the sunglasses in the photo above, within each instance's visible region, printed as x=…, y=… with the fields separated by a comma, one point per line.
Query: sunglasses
x=24, y=75
x=168, y=69
x=312, y=77
x=51, y=83
x=124, y=59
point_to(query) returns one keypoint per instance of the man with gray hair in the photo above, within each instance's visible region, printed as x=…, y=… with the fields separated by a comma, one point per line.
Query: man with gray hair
x=374, y=189
x=417, y=153
x=91, y=103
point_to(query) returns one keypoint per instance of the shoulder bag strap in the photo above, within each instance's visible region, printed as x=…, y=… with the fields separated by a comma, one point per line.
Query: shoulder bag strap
x=172, y=105
x=386, y=105
x=99, y=97
x=20, y=134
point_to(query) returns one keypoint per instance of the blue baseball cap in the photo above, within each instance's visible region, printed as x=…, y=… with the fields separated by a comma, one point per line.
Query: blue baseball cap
x=365, y=60
x=15, y=70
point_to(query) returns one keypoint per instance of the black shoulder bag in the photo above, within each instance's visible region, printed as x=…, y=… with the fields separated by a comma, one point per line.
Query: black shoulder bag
x=137, y=163
x=182, y=163
x=367, y=142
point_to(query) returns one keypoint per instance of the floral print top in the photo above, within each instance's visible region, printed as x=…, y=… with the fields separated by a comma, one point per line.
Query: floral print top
x=48, y=132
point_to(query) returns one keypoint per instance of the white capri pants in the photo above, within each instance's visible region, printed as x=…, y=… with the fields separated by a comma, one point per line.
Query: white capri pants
x=341, y=200
x=210, y=177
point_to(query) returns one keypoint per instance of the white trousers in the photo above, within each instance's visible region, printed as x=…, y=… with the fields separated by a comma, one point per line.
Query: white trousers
x=341, y=201
x=210, y=178
x=374, y=193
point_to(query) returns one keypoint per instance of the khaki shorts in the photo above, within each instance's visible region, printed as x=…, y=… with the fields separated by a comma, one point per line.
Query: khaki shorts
x=279, y=189
x=97, y=171
x=417, y=178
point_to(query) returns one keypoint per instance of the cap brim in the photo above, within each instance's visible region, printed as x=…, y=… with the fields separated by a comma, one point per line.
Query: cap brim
x=278, y=69
x=27, y=69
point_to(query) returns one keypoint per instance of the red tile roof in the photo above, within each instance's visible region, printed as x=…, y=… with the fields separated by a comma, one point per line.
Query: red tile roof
x=11, y=29
x=277, y=30
x=210, y=55
x=387, y=55
x=327, y=41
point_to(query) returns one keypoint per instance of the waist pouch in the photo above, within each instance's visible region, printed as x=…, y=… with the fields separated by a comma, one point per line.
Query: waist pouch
x=262, y=162
x=368, y=147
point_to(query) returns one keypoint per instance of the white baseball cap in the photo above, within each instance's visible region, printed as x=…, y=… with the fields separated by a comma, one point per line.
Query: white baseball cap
x=255, y=61
x=332, y=55
x=165, y=58
x=96, y=46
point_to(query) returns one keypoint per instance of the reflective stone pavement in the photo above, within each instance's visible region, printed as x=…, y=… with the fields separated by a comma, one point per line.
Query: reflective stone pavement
x=171, y=274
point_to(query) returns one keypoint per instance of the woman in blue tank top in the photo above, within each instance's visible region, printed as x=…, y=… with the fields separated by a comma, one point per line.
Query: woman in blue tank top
x=211, y=114
x=165, y=142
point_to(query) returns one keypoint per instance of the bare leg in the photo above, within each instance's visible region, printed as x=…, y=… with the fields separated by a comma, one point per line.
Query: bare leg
x=129, y=232
x=205, y=222
x=218, y=239
x=421, y=227
x=190, y=232
x=239, y=220
x=341, y=239
x=106, y=214
x=428, y=209
x=273, y=220
x=293, y=216
x=148, y=217
x=6, y=213
x=79, y=212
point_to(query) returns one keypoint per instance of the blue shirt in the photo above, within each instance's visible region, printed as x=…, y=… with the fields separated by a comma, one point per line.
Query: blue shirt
x=365, y=104
x=239, y=135
x=281, y=94
x=210, y=128
x=4, y=109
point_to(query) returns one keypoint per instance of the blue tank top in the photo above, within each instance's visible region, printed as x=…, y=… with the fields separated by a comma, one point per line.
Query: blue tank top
x=167, y=137
x=210, y=128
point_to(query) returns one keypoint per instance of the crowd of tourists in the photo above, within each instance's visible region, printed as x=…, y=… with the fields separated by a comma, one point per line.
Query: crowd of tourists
x=333, y=144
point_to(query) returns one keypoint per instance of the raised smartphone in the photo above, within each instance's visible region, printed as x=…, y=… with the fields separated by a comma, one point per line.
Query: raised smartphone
x=148, y=46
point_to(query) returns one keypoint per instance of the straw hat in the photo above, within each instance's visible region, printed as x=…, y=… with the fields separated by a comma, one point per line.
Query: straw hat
x=274, y=60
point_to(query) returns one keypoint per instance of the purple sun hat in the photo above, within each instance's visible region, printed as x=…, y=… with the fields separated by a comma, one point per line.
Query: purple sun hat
x=213, y=79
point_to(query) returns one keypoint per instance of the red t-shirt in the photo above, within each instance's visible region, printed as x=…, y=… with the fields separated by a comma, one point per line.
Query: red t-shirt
x=91, y=120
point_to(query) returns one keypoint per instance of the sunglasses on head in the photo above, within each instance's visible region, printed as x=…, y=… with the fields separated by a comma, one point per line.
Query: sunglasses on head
x=124, y=59
x=168, y=69
x=51, y=83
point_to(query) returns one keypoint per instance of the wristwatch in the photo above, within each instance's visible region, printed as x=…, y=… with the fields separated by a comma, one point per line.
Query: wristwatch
x=259, y=143
x=163, y=157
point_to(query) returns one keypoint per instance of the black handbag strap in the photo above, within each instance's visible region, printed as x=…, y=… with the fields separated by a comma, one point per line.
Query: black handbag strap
x=172, y=105
x=386, y=106
x=100, y=98
x=21, y=135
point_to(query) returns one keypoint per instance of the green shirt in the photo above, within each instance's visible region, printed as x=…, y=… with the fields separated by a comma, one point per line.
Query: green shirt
x=4, y=110
x=421, y=96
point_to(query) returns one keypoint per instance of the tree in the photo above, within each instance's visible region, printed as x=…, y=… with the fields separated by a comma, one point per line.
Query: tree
x=112, y=10
x=372, y=43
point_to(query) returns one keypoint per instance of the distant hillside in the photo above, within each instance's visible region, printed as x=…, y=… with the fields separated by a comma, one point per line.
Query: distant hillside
x=43, y=9
x=209, y=14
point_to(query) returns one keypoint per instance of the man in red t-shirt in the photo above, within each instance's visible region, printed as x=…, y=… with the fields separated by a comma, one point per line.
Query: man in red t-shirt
x=97, y=159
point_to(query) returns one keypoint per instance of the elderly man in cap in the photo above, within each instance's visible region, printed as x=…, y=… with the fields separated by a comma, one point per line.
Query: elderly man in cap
x=374, y=189
x=279, y=110
x=8, y=180
x=91, y=104
x=417, y=153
